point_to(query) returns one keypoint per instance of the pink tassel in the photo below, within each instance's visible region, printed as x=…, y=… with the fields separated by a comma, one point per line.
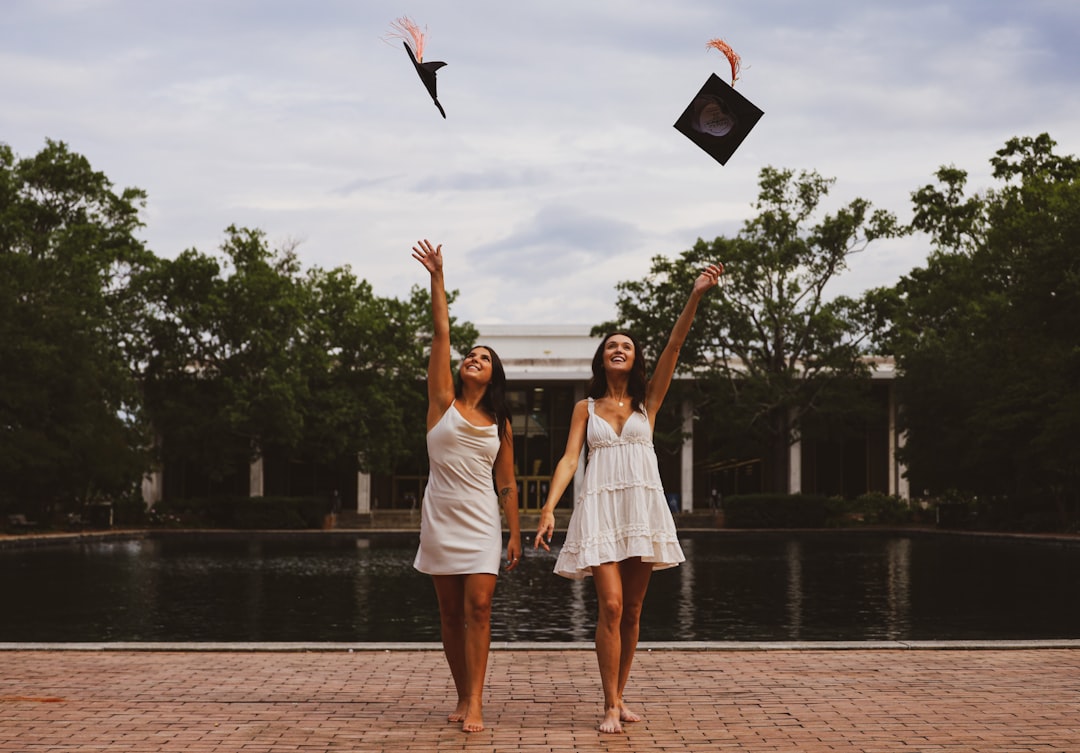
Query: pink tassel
x=730, y=54
x=407, y=29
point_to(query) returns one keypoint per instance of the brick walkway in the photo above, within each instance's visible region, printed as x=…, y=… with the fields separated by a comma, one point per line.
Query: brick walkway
x=810, y=700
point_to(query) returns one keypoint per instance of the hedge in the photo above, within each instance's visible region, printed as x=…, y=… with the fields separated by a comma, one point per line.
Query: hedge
x=243, y=512
x=774, y=511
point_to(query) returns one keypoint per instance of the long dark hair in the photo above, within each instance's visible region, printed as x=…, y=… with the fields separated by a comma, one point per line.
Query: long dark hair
x=494, y=399
x=637, y=384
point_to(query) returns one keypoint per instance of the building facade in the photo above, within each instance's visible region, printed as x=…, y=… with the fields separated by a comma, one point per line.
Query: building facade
x=547, y=369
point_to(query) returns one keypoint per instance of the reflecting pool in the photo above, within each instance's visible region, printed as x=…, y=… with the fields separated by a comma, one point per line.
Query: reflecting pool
x=852, y=585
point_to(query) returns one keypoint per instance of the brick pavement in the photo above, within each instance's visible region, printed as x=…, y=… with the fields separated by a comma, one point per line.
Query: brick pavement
x=867, y=699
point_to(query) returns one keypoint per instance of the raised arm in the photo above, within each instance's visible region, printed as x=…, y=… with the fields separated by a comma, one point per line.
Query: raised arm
x=665, y=366
x=564, y=474
x=440, y=380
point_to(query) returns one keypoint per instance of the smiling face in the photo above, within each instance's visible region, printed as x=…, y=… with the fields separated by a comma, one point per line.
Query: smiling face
x=619, y=358
x=619, y=353
x=477, y=365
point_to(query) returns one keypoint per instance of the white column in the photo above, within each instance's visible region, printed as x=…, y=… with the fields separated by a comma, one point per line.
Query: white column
x=363, y=492
x=255, y=477
x=152, y=488
x=153, y=483
x=903, y=486
x=898, y=483
x=686, y=459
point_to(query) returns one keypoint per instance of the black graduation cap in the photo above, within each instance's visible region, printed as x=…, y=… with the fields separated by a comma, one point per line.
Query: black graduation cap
x=718, y=119
x=413, y=37
x=426, y=71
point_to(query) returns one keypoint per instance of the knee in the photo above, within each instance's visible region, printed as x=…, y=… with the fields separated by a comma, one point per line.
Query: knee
x=478, y=611
x=631, y=614
x=610, y=610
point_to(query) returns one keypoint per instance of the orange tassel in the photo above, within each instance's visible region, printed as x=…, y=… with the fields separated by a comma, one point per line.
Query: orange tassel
x=730, y=54
x=407, y=29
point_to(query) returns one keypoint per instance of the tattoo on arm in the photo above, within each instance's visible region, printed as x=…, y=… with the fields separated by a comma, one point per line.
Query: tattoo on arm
x=504, y=493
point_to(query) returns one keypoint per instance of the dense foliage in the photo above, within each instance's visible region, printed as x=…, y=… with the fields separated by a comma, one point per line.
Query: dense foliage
x=71, y=425
x=253, y=355
x=116, y=359
x=771, y=349
x=987, y=336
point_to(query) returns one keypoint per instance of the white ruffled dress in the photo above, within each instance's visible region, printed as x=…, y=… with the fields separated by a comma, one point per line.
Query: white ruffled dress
x=622, y=511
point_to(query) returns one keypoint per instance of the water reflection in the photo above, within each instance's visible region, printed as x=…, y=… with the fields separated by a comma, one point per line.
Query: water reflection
x=810, y=586
x=793, y=559
x=686, y=593
x=898, y=580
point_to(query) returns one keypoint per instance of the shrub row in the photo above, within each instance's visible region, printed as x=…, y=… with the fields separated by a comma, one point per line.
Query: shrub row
x=774, y=511
x=814, y=511
x=242, y=512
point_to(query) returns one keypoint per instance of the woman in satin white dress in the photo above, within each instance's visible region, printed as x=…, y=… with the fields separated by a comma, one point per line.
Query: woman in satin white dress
x=621, y=528
x=471, y=455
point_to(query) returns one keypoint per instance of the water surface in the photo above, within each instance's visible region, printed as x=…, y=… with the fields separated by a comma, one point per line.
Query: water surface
x=734, y=586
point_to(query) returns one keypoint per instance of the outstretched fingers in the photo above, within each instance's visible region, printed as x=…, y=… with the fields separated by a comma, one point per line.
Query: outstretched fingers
x=428, y=254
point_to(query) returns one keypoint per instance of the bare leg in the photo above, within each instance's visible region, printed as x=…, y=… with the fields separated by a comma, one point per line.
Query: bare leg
x=479, y=589
x=450, y=590
x=620, y=592
x=609, y=598
x=634, y=575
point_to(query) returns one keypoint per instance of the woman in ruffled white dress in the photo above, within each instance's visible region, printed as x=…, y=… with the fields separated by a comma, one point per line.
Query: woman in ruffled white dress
x=471, y=454
x=621, y=528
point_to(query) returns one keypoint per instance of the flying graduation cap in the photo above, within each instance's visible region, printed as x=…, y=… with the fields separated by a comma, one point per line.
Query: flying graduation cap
x=719, y=118
x=412, y=37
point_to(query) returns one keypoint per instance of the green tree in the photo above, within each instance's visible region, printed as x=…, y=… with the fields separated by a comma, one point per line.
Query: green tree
x=250, y=355
x=70, y=427
x=987, y=334
x=364, y=365
x=188, y=400
x=771, y=348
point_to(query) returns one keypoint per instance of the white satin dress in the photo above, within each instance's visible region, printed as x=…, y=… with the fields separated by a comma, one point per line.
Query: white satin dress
x=460, y=525
x=622, y=511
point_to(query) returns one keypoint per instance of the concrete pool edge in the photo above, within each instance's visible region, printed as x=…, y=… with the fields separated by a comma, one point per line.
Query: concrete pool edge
x=645, y=646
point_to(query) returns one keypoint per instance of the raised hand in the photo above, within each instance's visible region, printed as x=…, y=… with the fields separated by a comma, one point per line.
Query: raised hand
x=708, y=278
x=429, y=255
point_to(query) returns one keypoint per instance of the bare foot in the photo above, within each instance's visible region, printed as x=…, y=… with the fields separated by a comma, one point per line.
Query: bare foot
x=611, y=721
x=627, y=715
x=459, y=713
x=474, y=720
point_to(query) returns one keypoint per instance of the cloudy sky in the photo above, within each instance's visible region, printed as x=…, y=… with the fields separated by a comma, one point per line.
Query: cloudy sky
x=557, y=172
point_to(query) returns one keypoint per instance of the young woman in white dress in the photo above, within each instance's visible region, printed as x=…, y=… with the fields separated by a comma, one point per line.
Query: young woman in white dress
x=471, y=455
x=621, y=528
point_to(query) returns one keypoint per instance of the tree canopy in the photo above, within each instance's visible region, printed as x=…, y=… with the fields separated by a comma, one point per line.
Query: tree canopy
x=116, y=358
x=771, y=347
x=70, y=415
x=249, y=353
x=987, y=334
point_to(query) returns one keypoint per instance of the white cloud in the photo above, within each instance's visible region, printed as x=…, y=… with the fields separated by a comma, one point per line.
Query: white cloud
x=557, y=172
